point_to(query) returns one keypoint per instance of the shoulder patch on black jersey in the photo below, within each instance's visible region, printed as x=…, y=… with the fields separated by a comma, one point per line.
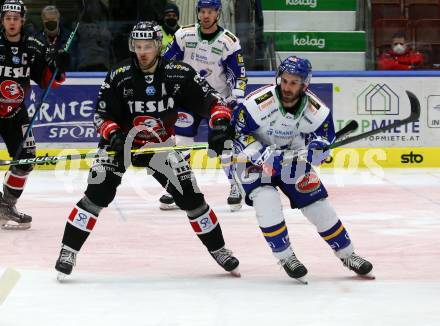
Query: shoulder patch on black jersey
x=33, y=39
x=119, y=70
x=231, y=36
x=263, y=98
x=176, y=65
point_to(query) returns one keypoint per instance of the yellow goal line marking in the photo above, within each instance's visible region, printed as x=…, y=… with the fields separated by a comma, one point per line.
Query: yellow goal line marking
x=8, y=281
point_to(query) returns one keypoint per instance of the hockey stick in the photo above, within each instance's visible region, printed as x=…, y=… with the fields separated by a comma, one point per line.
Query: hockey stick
x=293, y=156
x=70, y=157
x=414, y=116
x=49, y=86
x=351, y=126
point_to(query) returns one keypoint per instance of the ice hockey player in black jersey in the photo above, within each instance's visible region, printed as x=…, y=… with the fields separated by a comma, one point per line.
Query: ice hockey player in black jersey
x=22, y=58
x=137, y=107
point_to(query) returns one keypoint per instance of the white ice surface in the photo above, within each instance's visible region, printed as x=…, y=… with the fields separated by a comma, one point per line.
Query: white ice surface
x=142, y=266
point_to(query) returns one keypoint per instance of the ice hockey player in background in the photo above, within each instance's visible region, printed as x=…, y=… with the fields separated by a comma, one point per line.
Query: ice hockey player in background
x=271, y=121
x=216, y=54
x=137, y=107
x=22, y=58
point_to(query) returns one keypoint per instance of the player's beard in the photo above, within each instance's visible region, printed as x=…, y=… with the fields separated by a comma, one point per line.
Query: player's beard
x=145, y=65
x=288, y=98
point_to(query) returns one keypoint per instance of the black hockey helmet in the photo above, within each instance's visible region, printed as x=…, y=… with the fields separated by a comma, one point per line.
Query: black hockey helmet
x=145, y=30
x=14, y=6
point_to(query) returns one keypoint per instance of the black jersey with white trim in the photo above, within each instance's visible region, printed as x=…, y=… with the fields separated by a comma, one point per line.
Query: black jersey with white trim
x=128, y=93
x=19, y=63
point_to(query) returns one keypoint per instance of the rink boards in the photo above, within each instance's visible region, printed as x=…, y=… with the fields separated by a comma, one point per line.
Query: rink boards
x=373, y=99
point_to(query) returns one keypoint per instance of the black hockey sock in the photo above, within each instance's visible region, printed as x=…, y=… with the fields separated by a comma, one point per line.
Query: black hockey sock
x=74, y=237
x=208, y=229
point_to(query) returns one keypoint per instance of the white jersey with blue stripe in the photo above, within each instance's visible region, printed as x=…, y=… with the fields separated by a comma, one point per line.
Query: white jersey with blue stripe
x=261, y=121
x=220, y=60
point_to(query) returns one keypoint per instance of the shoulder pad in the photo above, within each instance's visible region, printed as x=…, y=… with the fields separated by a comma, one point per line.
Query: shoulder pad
x=263, y=98
x=188, y=26
x=35, y=40
x=314, y=103
x=231, y=36
x=119, y=69
x=257, y=91
x=314, y=114
x=261, y=102
x=178, y=66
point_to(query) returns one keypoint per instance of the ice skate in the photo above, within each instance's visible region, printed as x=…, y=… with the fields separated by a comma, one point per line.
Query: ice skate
x=294, y=268
x=167, y=202
x=359, y=265
x=235, y=198
x=65, y=262
x=11, y=219
x=225, y=259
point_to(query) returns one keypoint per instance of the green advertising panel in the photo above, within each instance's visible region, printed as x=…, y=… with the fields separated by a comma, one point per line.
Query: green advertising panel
x=318, y=41
x=331, y=5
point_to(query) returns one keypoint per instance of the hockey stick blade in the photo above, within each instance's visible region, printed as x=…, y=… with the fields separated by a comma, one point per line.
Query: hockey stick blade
x=350, y=127
x=414, y=116
x=54, y=159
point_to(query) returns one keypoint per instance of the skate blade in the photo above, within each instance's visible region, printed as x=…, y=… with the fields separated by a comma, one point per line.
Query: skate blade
x=61, y=277
x=368, y=276
x=235, y=272
x=168, y=207
x=301, y=280
x=17, y=226
x=235, y=207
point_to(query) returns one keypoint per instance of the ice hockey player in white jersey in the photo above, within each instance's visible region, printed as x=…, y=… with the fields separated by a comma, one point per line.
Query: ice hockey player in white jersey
x=216, y=54
x=268, y=125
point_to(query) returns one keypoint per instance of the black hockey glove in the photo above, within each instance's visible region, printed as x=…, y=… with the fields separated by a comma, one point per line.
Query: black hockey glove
x=62, y=60
x=220, y=137
x=58, y=59
x=117, y=141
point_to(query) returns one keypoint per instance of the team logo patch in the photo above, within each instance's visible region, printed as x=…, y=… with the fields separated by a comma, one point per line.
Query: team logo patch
x=241, y=119
x=308, y=183
x=149, y=78
x=11, y=91
x=149, y=129
x=240, y=58
x=12, y=96
x=184, y=120
x=150, y=90
x=147, y=121
x=14, y=50
x=16, y=60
